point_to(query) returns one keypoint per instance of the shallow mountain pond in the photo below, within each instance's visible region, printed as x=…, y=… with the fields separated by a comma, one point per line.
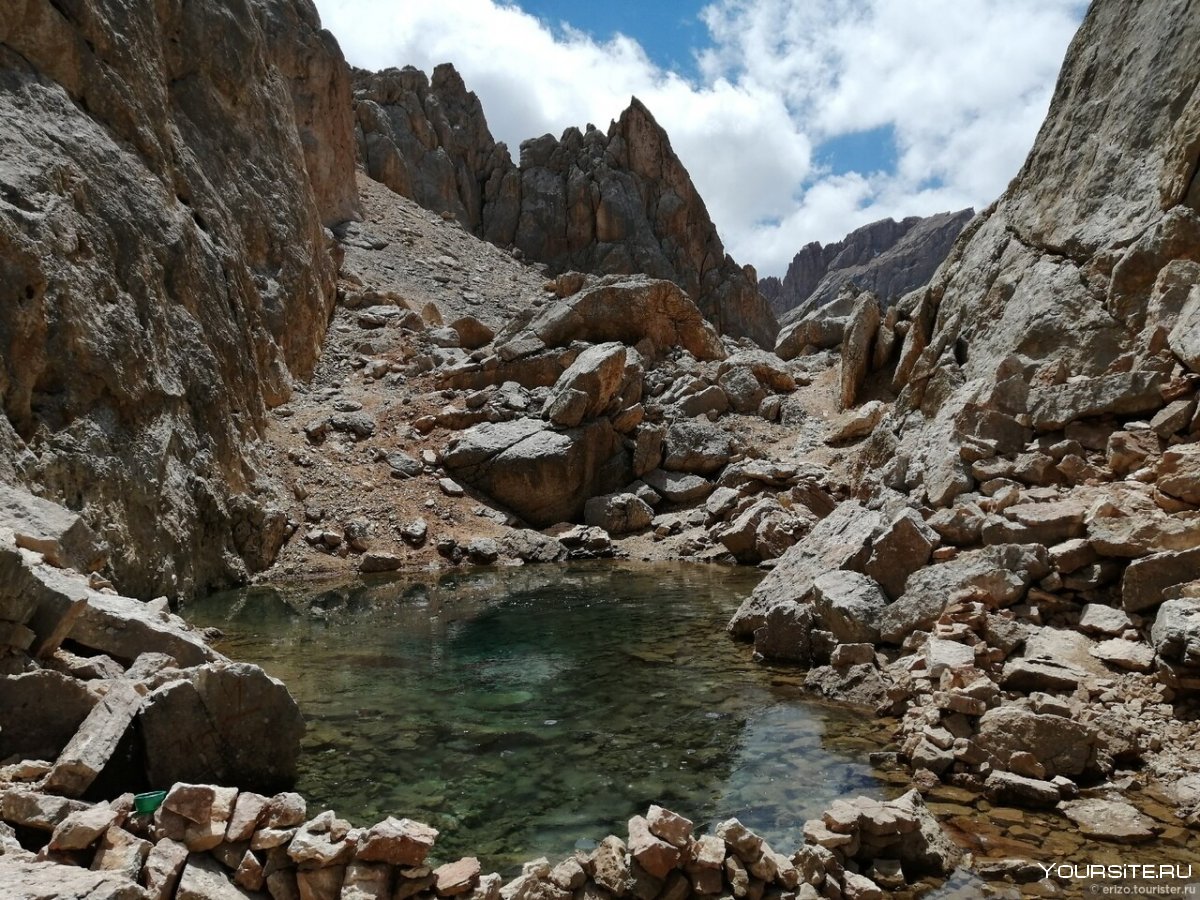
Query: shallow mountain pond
x=532, y=711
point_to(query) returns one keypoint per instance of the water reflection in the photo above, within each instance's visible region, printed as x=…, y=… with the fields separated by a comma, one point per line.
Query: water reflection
x=520, y=710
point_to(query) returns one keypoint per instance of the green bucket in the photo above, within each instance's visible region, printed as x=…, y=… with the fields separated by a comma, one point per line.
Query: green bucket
x=148, y=802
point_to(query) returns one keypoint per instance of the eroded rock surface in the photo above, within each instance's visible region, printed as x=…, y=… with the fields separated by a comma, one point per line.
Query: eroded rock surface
x=165, y=271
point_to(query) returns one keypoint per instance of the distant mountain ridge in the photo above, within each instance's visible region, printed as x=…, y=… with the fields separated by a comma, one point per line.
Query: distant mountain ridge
x=887, y=257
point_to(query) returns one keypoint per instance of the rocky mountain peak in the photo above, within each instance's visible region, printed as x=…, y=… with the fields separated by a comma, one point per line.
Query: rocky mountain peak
x=619, y=202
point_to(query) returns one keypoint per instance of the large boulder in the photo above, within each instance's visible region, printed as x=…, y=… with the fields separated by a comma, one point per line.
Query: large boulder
x=1185, y=336
x=697, y=447
x=618, y=513
x=1146, y=579
x=624, y=309
x=226, y=723
x=849, y=606
x=596, y=377
x=818, y=333
x=839, y=541
x=1176, y=632
x=764, y=530
x=1063, y=746
x=1179, y=473
x=858, y=347
x=54, y=531
x=543, y=475
x=40, y=712
x=1000, y=575
x=1055, y=407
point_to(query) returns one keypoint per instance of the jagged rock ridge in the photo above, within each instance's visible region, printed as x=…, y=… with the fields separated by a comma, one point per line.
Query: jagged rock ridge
x=887, y=257
x=619, y=202
x=164, y=270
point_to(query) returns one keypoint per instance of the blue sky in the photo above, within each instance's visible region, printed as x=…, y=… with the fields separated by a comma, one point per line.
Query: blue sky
x=669, y=30
x=798, y=121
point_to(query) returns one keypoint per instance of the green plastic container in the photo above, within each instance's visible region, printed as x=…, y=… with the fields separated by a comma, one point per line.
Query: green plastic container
x=148, y=802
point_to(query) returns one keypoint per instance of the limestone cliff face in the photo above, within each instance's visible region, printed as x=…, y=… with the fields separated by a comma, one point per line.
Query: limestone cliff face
x=619, y=202
x=1082, y=268
x=887, y=258
x=166, y=171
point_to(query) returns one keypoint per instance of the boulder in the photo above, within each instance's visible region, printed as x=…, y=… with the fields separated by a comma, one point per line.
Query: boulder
x=1001, y=574
x=710, y=401
x=456, y=878
x=671, y=827
x=785, y=634
x=655, y=855
x=545, y=476
x=1131, y=656
x=858, y=347
x=677, y=487
x=204, y=879
x=1103, y=620
x=820, y=332
x=1176, y=631
x=398, y=842
x=596, y=375
x=375, y=561
x=627, y=309
x=1178, y=473
x=849, y=606
x=472, y=334
x=224, y=723
x=40, y=712
x=856, y=423
x=960, y=524
x=765, y=530
x=697, y=447
x=125, y=629
x=1124, y=393
x=742, y=389
x=29, y=879
x=1061, y=745
x=1010, y=789
x=618, y=513
x=901, y=548
x=164, y=865
x=1146, y=579
x=767, y=368
x=1110, y=820
x=61, y=536
x=1184, y=338
x=89, y=751
x=839, y=541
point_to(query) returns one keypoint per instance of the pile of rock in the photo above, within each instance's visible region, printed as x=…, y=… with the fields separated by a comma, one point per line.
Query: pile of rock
x=214, y=842
x=606, y=395
x=211, y=843
x=111, y=690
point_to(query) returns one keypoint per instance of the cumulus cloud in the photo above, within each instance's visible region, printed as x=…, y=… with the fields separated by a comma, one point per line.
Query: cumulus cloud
x=962, y=85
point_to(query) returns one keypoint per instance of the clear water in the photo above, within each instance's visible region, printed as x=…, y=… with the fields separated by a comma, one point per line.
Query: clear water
x=530, y=711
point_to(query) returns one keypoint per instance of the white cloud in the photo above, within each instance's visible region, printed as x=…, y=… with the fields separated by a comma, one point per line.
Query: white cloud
x=963, y=84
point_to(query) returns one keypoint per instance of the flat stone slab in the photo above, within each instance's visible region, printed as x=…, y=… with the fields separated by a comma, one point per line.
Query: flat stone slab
x=1109, y=820
x=86, y=755
x=24, y=879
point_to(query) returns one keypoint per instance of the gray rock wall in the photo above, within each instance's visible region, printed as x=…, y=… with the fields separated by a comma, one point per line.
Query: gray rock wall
x=166, y=171
x=1083, y=266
